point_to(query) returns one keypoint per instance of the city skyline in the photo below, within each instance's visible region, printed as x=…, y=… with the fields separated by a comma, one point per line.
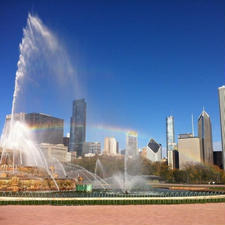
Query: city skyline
x=105, y=60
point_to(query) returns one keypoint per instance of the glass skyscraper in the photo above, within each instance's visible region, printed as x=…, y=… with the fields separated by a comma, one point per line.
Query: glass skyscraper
x=205, y=135
x=78, y=126
x=222, y=120
x=170, y=137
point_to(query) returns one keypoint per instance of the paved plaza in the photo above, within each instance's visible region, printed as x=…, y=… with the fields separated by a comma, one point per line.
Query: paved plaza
x=194, y=214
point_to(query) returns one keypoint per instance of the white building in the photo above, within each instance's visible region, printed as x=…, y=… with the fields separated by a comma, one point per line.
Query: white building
x=110, y=146
x=153, y=151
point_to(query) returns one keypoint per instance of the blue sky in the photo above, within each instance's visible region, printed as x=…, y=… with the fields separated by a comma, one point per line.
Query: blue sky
x=137, y=62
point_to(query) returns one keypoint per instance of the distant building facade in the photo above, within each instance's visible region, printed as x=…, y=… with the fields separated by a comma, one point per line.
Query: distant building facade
x=91, y=148
x=110, y=146
x=132, y=144
x=153, y=151
x=221, y=91
x=205, y=135
x=44, y=127
x=189, y=149
x=78, y=126
x=58, y=152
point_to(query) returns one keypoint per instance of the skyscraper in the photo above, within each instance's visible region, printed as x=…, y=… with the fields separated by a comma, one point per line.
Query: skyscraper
x=78, y=126
x=170, y=137
x=110, y=146
x=205, y=135
x=132, y=144
x=222, y=120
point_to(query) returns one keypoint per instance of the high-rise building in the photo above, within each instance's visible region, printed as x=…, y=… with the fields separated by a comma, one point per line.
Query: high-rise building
x=205, y=135
x=170, y=138
x=132, y=144
x=110, y=146
x=189, y=149
x=153, y=151
x=78, y=126
x=222, y=120
x=45, y=128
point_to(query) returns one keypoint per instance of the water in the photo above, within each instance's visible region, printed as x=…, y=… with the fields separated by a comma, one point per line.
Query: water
x=99, y=169
x=40, y=46
x=74, y=170
x=38, y=43
x=43, y=60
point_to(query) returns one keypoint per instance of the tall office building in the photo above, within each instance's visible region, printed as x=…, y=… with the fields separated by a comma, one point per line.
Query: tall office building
x=45, y=128
x=78, y=126
x=132, y=144
x=170, y=138
x=205, y=135
x=189, y=149
x=222, y=120
x=110, y=146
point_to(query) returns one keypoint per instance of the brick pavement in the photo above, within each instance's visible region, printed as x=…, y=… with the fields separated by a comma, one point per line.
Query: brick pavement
x=188, y=214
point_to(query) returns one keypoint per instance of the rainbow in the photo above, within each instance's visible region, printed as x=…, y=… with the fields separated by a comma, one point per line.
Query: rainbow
x=102, y=127
x=37, y=127
x=121, y=130
x=97, y=127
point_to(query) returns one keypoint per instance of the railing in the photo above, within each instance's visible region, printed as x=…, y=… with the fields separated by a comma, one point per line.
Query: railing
x=102, y=194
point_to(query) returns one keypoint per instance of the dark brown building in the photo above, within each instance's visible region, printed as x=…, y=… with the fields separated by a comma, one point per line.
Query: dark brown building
x=45, y=128
x=217, y=159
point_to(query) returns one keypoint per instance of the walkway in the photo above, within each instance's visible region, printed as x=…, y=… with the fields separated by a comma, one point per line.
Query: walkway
x=194, y=214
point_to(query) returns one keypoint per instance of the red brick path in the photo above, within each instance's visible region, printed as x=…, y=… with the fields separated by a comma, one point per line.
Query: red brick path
x=196, y=214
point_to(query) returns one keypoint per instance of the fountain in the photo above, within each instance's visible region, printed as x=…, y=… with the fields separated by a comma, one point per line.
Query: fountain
x=99, y=168
x=123, y=181
x=24, y=167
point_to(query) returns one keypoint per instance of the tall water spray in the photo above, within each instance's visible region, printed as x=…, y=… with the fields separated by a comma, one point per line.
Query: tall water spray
x=38, y=44
x=36, y=38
